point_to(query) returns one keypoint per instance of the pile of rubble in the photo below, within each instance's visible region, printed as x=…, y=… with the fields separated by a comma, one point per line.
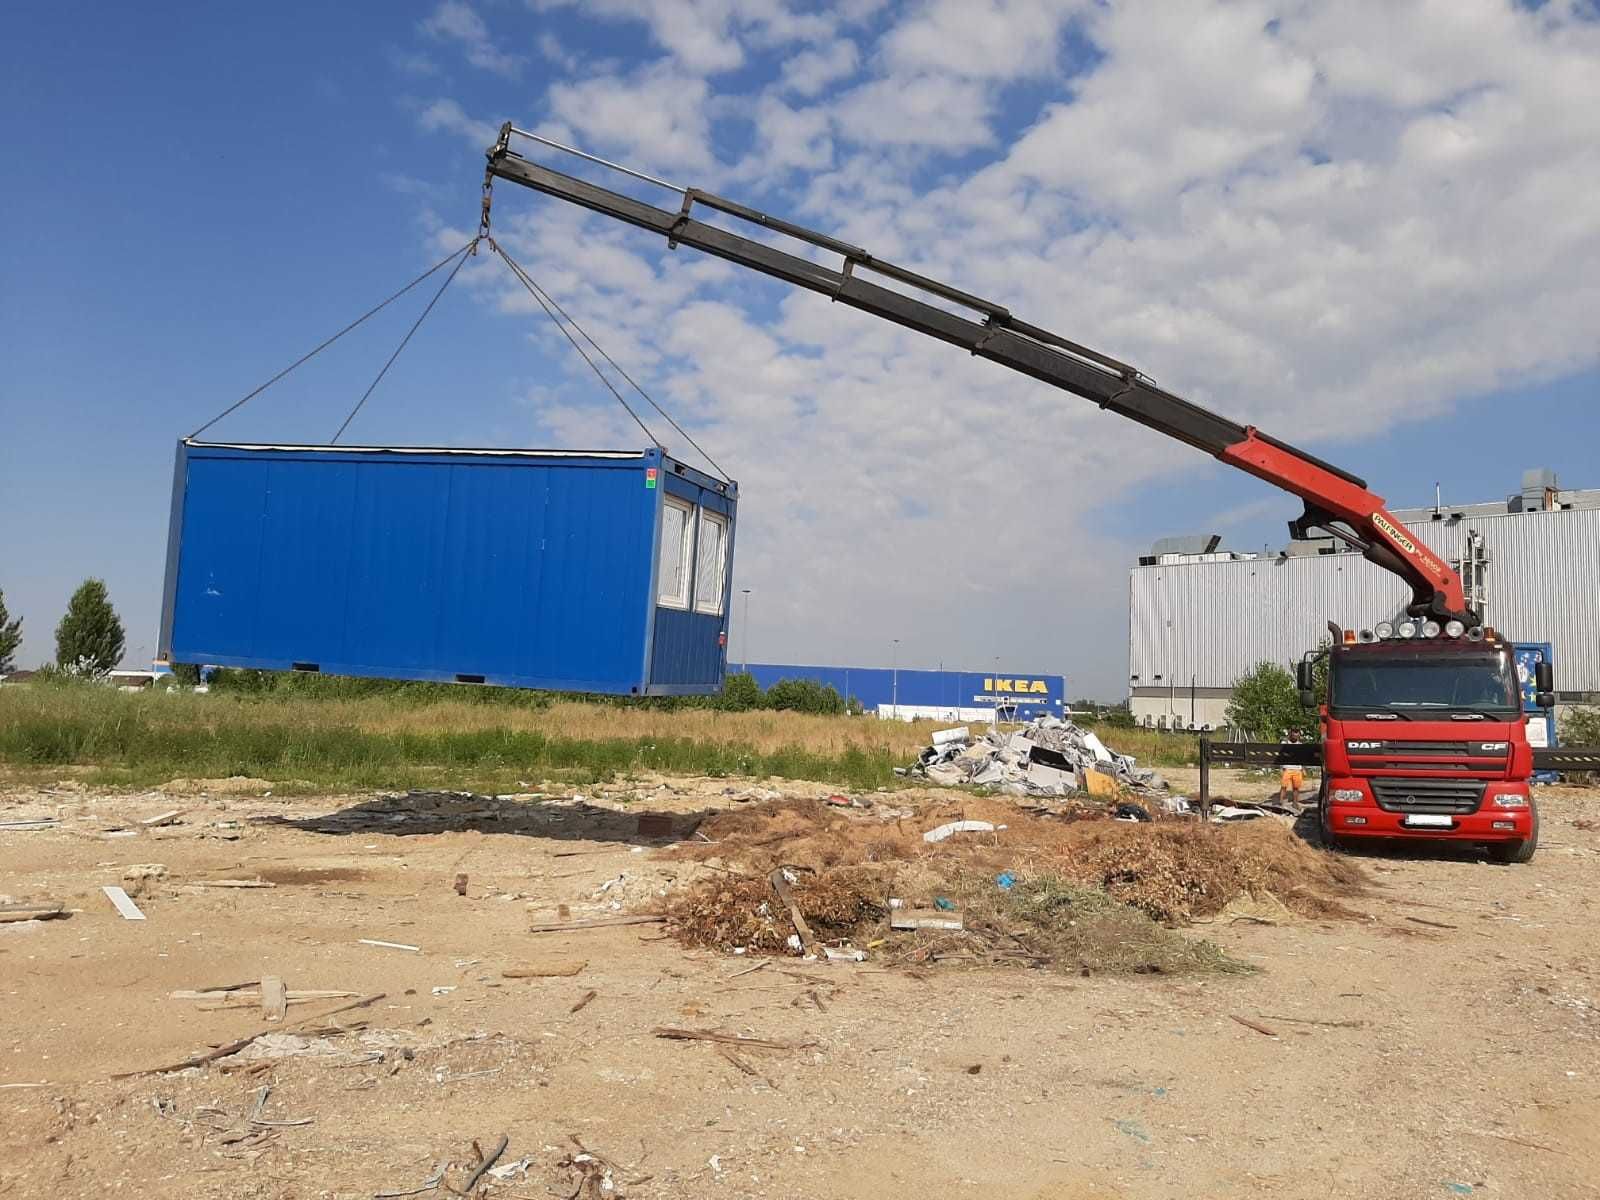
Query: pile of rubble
x=1046, y=757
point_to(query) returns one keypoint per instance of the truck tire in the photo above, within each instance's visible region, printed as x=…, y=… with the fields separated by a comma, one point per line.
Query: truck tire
x=1330, y=839
x=1518, y=852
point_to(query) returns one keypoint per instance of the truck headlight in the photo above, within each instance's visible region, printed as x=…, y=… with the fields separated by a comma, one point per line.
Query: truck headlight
x=1508, y=800
x=1348, y=795
x=1454, y=629
x=1407, y=629
x=1384, y=630
x=1431, y=629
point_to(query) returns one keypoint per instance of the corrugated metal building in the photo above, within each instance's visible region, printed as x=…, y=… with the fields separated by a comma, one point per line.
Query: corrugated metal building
x=907, y=694
x=1200, y=617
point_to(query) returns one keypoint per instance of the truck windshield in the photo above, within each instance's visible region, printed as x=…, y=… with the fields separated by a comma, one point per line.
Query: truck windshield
x=1476, y=684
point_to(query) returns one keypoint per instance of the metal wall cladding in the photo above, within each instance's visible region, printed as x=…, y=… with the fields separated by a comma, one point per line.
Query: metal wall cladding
x=1034, y=693
x=1213, y=621
x=522, y=568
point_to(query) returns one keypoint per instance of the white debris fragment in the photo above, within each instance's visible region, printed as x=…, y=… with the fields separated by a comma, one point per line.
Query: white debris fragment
x=944, y=831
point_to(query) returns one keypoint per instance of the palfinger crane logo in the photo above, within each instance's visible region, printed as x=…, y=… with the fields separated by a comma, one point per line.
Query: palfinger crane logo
x=1400, y=539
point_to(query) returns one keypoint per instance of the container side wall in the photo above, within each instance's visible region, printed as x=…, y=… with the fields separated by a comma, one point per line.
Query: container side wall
x=526, y=572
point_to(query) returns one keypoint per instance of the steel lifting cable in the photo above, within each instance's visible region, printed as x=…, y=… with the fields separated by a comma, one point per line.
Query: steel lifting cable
x=238, y=404
x=535, y=291
x=548, y=302
x=472, y=247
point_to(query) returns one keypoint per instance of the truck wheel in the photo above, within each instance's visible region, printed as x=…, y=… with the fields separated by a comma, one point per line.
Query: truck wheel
x=1330, y=839
x=1518, y=852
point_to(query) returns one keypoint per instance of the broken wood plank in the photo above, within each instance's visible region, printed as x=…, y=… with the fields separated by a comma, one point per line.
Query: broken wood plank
x=31, y=912
x=231, y=1048
x=250, y=991
x=1431, y=924
x=765, y=962
x=583, y=1001
x=30, y=823
x=1309, y=1021
x=730, y=1039
x=1249, y=1024
x=125, y=906
x=389, y=945
x=274, y=998
x=780, y=885
x=900, y=919
x=556, y=969
x=592, y=923
x=166, y=818
x=487, y=1161
x=232, y=883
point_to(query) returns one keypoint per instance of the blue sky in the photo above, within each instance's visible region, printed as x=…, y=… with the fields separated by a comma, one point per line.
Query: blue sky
x=1366, y=233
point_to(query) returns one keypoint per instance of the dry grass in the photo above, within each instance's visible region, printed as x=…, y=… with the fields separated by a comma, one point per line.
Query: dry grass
x=763, y=732
x=1173, y=870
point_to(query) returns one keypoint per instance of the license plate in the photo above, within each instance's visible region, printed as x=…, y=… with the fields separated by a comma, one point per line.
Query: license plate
x=1429, y=821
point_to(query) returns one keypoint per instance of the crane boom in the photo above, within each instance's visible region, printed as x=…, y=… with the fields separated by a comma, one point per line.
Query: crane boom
x=1336, y=501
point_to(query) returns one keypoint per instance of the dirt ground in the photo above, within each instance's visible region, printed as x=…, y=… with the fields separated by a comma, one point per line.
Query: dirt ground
x=1442, y=1042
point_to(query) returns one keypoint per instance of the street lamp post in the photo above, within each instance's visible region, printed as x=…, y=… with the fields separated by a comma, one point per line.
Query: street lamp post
x=894, y=698
x=746, y=630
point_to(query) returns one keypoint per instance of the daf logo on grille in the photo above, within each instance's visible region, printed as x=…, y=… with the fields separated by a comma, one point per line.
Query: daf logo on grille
x=1366, y=745
x=1492, y=747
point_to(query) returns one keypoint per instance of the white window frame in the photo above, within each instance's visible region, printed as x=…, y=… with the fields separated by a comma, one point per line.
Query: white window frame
x=686, y=547
x=711, y=605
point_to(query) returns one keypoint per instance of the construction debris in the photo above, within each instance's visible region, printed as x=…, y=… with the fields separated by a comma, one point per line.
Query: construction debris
x=556, y=969
x=119, y=898
x=944, y=831
x=1046, y=757
x=31, y=912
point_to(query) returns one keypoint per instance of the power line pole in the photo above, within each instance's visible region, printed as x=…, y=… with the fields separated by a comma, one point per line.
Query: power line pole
x=746, y=630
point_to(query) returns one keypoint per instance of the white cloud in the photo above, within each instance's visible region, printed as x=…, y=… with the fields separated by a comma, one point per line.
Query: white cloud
x=457, y=21
x=809, y=71
x=710, y=36
x=988, y=39
x=656, y=117
x=930, y=111
x=553, y=51
x=1328, y=219
x=448, y=116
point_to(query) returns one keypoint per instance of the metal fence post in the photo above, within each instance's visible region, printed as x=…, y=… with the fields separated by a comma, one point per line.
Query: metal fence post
x=1205, y=779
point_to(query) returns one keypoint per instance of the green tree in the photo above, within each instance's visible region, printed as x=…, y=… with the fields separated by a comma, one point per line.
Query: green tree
x=1581, y=727
x=90, y=638
x=740, y=692
x=804, y=695
x=1266, y=704
x=10, y=637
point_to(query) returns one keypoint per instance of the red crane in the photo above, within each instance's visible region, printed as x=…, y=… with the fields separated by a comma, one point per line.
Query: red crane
x=1336, y=502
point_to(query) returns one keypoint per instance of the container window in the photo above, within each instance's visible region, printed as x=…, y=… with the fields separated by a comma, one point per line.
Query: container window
x=672, y=569
x=710, y=559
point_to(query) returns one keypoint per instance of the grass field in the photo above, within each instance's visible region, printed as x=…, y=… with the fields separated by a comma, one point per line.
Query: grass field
x=397, y=741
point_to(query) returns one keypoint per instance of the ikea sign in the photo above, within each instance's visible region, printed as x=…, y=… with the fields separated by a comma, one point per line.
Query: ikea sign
x=1021, y=688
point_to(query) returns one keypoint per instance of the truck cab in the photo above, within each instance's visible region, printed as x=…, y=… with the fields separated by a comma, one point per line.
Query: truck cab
x=1424, y=737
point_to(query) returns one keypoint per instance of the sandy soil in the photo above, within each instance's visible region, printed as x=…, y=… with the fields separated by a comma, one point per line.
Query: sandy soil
x=1444, y=1044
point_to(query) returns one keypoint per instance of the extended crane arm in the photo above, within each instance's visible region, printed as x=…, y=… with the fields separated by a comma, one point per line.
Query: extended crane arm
x=1335, y=501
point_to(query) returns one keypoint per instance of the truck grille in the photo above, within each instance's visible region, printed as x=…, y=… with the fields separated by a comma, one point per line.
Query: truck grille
x=1455, y=797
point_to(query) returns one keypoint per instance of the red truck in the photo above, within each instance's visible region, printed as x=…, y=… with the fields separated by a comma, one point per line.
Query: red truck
x=1424, y=738
x=1422, y=729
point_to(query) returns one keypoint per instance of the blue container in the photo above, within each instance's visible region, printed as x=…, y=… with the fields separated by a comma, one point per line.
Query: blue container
x=603, y=571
